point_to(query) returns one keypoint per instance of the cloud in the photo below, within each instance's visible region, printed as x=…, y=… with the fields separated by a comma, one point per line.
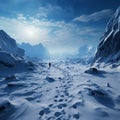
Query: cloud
x=94, y=16
x=58, y=36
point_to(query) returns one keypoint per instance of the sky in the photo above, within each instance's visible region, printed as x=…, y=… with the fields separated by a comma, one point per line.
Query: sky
x=62, y=26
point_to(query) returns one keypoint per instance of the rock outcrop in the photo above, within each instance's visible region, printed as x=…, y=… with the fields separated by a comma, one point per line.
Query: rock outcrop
x=108, y=50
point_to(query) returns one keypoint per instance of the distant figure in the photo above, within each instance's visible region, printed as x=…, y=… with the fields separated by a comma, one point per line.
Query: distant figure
x=49, y=65
x=108, y=85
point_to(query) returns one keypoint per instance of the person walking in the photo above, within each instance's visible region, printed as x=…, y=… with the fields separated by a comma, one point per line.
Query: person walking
x=49, y=65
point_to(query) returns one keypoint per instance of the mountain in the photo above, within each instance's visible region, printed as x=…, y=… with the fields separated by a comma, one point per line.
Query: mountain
x=10, y=53
x=11, y=56
x=9, y=45
x=108, y=50
x=86, y=51
x=38, y=51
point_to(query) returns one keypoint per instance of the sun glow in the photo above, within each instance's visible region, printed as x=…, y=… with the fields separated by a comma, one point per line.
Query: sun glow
x=30, y=32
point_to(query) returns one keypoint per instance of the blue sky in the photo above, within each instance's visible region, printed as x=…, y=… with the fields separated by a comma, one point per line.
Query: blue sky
x=61, y=25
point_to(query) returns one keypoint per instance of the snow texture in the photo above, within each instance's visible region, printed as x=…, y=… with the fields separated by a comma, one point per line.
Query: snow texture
x=62, y=92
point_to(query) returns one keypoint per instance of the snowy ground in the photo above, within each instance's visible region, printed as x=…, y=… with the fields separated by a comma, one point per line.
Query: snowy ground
x=63, y=92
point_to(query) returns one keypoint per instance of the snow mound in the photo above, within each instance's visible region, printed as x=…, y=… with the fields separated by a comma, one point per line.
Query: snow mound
x=12, y=110
x=96, y=72
x=102, y=97
x=50, y=79
x=92, y=71
x=4, y=105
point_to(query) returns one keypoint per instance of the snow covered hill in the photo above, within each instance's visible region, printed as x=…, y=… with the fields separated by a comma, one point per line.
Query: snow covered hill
x=9, y=45
x=108, y=50
x=38, y=51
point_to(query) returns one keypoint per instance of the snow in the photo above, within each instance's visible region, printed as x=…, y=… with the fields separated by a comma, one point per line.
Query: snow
x=62, y=92
x=9, y=45
x=109, y=48
x=11, y=56
x=7, y=59
x=67, y=90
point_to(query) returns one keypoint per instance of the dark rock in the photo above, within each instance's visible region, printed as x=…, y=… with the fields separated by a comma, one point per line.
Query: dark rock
x=92, y=71
x=2, y=108
x=49, y=79
x=108, y=50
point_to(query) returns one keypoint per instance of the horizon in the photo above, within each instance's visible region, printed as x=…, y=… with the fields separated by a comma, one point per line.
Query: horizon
x=61, y=26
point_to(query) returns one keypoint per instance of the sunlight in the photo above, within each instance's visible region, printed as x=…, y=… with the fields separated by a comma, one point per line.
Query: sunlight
x=31, y=34
x=30, y=31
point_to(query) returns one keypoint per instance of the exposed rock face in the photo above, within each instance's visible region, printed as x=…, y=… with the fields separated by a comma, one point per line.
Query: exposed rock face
x=109, y=48
x=9, y=45
x=7, y=59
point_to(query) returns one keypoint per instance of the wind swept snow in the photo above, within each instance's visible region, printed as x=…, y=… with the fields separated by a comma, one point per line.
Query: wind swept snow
x=62, y=92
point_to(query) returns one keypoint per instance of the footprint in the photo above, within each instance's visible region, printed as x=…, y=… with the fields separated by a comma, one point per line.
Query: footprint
x=41, y=113
x=55, y=100
x=50, y=105
x=66, y=93
x=60, y=106
x=56, y=96
x=76, y=116
x=62, y=96
x=77, y=104
x=60, y=100
x=57, y=114
x=44, y=111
